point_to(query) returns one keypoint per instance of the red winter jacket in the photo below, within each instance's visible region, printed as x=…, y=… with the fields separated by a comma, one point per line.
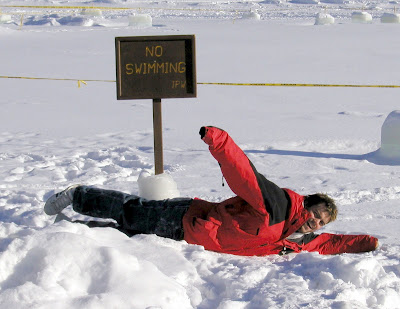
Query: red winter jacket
x=261, y=216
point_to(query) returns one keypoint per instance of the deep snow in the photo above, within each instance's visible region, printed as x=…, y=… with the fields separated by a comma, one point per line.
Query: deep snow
x=308, y=139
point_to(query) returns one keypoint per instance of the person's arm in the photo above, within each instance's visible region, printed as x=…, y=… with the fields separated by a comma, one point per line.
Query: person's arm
x=337, y=243
x=243, y=178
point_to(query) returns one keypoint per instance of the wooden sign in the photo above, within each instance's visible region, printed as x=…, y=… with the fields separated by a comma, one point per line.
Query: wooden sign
x=155, y=67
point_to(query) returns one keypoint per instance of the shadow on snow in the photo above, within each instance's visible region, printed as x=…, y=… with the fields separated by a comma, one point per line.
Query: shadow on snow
x=374, y=157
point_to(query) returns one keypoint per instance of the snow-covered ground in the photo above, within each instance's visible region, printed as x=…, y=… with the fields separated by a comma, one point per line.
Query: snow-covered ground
x=54, y=133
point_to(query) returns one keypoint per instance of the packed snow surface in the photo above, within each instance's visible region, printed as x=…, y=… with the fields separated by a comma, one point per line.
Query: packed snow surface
x=310, y=139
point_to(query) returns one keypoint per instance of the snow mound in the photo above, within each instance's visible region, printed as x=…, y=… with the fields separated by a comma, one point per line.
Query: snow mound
x=5, y=19
x=105, y=1
x=390, y=18
x=390, y=136
x=57, y=272
x=324, y=19
x=140, y=21
x=157, y=187
x=389, y=153
x=45, y=20
x=361, y=17
x=271, y=2
x=305, y=1
x=56, y=20
x=76, y=21
x=335, y=1
x=251, y=15
x=91, y=12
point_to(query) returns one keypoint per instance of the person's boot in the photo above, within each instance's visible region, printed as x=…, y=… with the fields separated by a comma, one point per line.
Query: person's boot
x=57, y=202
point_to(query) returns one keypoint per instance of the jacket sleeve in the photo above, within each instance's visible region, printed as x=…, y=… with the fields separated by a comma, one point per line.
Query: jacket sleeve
x=336, y=243
x=243, y=178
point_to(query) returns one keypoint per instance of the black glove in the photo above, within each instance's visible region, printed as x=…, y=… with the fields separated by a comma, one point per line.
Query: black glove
x=202, y=132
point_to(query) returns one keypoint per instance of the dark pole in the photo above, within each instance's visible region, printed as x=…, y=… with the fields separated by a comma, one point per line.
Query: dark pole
x=158, y=141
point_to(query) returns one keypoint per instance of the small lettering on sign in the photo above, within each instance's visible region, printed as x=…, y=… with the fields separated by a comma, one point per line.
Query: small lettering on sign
x=178, y=83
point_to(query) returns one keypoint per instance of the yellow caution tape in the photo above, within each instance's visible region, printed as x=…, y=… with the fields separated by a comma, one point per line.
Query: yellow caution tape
x=79, y=81
x=64, y=79
x=300, y=85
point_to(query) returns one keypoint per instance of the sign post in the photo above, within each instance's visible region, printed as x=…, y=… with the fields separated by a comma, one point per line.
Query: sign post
x=158, y=140
x=156, y=67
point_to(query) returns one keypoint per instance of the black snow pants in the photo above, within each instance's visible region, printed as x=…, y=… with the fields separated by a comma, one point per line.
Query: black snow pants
x=133, y=214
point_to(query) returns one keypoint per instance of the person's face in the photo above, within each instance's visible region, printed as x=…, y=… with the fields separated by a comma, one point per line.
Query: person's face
x=319, y=218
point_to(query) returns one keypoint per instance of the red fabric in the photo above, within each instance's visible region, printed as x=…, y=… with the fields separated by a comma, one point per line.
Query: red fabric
x=240, y=225
x=334, y=244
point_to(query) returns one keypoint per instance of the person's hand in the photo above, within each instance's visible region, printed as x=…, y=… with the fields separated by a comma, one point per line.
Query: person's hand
x=202, y=132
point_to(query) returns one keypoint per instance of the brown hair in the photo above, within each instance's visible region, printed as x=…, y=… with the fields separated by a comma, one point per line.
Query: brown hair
x=321, y=198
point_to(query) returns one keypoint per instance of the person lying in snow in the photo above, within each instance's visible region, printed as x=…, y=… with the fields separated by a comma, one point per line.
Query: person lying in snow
x=262, y=219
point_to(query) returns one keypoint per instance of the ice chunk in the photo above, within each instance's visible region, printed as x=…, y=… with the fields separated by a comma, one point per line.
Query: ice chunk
x=324, y=19
x=5, y=18
x=392, y=18
x=390, y=136
x=157, y=187
x=361, y=17
x=91, y=12
x=251, y=15
x=140, y=20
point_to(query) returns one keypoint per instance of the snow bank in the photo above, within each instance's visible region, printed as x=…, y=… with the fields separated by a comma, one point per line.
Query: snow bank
x=57, y=20
x=305, y=1
x=72, y=266
x=271, y=2
x=75, y=21
x=390, y=18
x=324, y=19
x=361, y=17
x=335, y=1
x=68, y=265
